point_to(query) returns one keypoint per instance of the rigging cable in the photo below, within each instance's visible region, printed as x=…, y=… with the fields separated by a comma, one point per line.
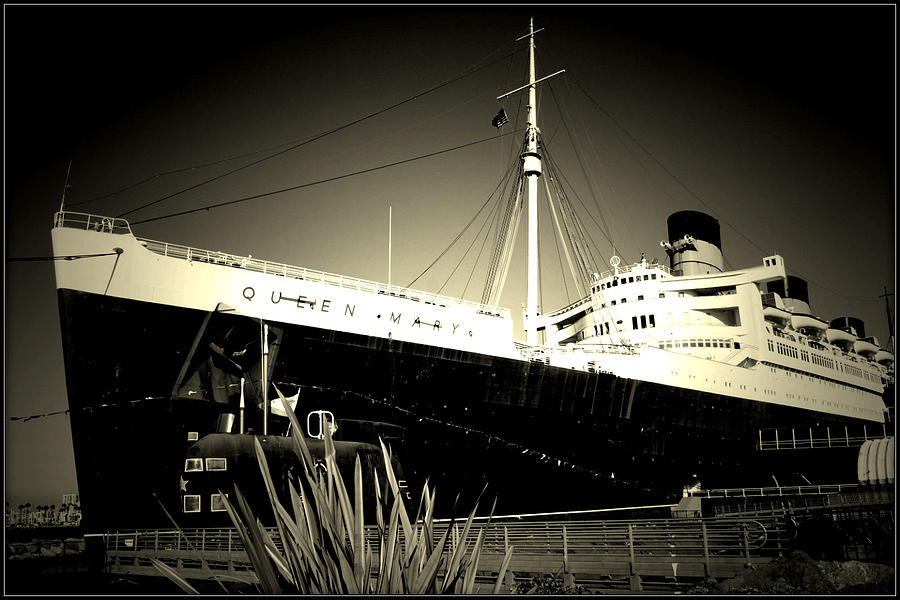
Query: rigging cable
x=312, y=183
x=69, y=257
x=475, y=239
x=699, y=199
x=494, y=219
x=33, y=417
x=459, y=235
x=296, y=143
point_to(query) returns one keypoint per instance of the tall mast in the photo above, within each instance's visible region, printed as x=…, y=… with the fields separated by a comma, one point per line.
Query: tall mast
x=532, y=163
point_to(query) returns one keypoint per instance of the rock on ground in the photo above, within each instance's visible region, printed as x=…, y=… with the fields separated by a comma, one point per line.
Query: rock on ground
x=797, y=573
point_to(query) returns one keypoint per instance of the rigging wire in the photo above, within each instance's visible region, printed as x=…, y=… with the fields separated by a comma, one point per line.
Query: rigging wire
x=562, y=271
x=69, y=257
x=501, y=254
x=459, y=235
x=494, y=219
x=319, y=136
x=185, y=169
x=312, y=183
x=41, y=416
x=698, y=198
x=584, y=170
x=477, y=235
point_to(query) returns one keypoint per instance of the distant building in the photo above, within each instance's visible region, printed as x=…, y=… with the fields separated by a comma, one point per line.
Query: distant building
x=68, y=513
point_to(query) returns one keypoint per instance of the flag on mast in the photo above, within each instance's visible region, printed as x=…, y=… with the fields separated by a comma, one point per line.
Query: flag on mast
x=500, y=119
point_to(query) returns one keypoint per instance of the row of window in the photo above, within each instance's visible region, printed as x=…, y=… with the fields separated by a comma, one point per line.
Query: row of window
x=699, y=343
x=784, y=349
x=646, y=321
x=637, y=322
x=822, y=361
x=640, y=297
x=212, y=464
x=624, y=280
x=191, y=503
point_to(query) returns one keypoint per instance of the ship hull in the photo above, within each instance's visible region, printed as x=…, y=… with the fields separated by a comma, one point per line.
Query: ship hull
x=142, y=377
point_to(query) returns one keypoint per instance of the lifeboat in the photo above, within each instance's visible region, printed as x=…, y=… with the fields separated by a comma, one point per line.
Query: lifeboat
x=884, y=357
x=865, y=348
x=840, y=337
x=875, y=462
x=778, y=315
x=801, y=321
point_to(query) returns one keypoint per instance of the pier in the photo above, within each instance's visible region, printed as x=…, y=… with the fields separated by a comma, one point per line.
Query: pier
x=631, y=555
x=749, y=528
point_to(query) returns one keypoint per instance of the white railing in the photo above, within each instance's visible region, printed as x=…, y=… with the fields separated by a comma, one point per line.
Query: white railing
x=633, y=266
x=90, y=222
x=114, y=225
x=275, y=268
x=790, y=490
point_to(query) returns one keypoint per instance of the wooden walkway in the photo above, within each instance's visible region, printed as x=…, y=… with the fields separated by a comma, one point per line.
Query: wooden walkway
x=631, y=555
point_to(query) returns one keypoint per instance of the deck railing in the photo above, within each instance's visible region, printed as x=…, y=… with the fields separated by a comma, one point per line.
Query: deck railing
x=114, y=225
x=671, y=538
x=789, y=490
x=90, y=222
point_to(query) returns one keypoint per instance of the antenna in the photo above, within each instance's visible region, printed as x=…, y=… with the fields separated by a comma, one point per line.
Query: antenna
x=65, y=187
x=390, y=238
x=887, y=307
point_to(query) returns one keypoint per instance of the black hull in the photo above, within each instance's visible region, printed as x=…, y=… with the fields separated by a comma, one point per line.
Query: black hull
x=141, y=376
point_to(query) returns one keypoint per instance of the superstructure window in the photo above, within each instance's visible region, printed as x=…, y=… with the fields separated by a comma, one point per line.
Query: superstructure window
x=634, y=323
x=193, y=464
x=640, y=297
x=653, y=276
x=615, y=282
x=652, y=321
x=631, y=280
x=216, y=464
x=191, y=503
x=646, y=277
x=193, y=436
x=217, y=503
x=643, y=322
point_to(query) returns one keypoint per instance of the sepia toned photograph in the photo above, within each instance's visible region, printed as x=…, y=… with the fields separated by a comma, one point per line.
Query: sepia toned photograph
x=466, y=299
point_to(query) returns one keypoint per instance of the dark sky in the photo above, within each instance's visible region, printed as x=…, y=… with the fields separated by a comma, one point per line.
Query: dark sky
x=779, y=119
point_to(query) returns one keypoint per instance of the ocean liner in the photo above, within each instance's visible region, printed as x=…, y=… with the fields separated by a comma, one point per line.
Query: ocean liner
x=660, y=376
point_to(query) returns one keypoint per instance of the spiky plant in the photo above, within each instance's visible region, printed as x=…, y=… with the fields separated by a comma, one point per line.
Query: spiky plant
x=324, y=546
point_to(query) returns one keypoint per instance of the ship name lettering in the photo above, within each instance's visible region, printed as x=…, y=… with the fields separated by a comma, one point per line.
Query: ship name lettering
x=437, y=325
x=249, y=292
x=396, y=319
x=455, y=325
x=349, y=309
x=325, y=305
x=301, y=300
x=416, y=322
x=274, y=301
